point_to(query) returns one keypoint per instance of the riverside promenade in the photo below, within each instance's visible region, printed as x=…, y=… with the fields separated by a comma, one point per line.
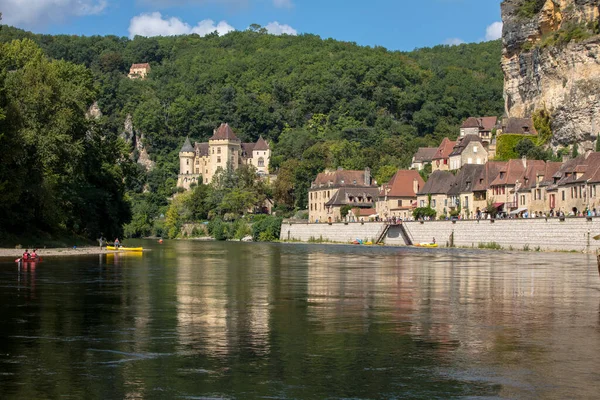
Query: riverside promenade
x=543, y=234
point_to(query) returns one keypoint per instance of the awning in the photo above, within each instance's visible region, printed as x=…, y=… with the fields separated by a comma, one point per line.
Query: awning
x=518, y=210
x=498, y=205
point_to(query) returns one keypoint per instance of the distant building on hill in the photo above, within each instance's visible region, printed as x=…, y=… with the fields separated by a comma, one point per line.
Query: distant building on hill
x=200, y=163
x=480, y=126
x=332, y=190
x=139, y=71
x=518, y=126
x=440, y=160
x=468, y=150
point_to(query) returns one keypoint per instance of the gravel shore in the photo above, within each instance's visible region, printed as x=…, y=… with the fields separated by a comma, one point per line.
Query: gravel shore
x=66, y=251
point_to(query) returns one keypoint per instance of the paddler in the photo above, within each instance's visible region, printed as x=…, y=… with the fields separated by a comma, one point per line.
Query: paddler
x=26, y=255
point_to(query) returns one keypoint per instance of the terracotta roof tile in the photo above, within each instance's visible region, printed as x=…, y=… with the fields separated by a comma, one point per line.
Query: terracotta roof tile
x=341, y=178
x=224, y=132
x=402, y=184
x=444, y=150
x=261, y=144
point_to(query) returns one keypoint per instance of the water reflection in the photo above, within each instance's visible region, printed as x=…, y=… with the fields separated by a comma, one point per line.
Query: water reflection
x=291, y=321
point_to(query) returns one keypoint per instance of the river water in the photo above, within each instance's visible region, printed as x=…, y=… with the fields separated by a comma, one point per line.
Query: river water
x=234, y=320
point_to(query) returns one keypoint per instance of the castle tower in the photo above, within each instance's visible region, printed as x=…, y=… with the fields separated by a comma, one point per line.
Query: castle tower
x=224, y=147
x=261, y=156
x=186, y=165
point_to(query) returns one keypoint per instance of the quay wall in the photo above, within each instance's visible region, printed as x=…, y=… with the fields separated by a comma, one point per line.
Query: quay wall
x=552, y=234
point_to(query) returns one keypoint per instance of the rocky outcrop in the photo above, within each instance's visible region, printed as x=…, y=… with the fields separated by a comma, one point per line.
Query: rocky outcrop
x=551, y=60
x=136, y=139
x=94, y=111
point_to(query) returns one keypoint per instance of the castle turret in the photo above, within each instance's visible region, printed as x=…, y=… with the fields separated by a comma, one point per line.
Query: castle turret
x=186, y=158
x=224, y=149
x=261, y=155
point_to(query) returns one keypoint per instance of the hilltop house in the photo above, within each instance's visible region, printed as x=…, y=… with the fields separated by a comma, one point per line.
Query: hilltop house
x=139, y=71
x=468, y=150
x=398, y=197
x=423, y=157
x=332, y=190
x=200, y=163
x=440, y=161
x=518, y=126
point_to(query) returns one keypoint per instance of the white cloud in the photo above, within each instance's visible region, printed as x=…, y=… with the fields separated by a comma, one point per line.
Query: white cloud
x=493, y=31
x=275, y=28
x=155, y=25
x=283, y=3
x=29, y=13
x=453, y=41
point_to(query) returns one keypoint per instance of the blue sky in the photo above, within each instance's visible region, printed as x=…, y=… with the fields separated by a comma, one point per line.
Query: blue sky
x=394, y=24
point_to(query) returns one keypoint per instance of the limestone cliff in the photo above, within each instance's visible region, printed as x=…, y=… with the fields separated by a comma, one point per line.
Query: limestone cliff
x=551, y=60
x=136, y=139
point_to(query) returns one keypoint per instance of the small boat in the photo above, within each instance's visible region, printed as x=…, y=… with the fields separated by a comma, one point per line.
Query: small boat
x=428, y=245
x=29, y=260
x=124, y=248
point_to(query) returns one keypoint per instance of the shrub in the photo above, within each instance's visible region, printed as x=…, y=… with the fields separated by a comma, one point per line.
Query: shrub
x=490, y=245
x=241, y=229
x=422, y=212
x=529, y=8
x=266, y=228
x=218, y=229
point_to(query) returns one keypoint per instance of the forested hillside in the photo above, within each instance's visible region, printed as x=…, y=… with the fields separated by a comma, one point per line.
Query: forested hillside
x=321, y=103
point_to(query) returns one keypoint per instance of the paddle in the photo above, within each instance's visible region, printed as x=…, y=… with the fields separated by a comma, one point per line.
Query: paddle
x=18, y=260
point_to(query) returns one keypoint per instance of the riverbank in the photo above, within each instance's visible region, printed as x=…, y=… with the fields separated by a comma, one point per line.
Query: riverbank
x=59, y=251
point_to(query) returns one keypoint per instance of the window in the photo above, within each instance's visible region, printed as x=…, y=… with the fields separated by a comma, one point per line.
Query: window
x=466, y=202
x=261, y=162
x=218, y=150
x=478, y=160
x=218, y=160
x=187, y=162
x=399, y=203
x=422, y=203
x=445, y=202
x=563, y=195
x=469, y=160
x=198, y=170
x=474, y=149
x=197, y=162
x=433, y=203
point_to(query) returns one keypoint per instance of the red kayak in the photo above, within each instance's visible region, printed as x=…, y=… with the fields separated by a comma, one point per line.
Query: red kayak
x=29, y=260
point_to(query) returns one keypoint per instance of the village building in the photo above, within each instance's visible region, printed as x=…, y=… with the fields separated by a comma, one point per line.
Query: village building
x=440, y=161
x=517, y=126
x=139, y=71
x=488, y=174
x=503, y=188
x=538, y=197
x=468, y=150
x=423, y=157
x=199, y=163
x=435, y=192
x=534, y=171
x=460, y=194
x=398, y=197
x=333, y=190
x=483, y=127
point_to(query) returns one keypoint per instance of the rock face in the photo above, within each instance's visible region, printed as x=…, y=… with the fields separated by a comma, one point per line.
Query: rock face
x=137, y=140
x=551, y=60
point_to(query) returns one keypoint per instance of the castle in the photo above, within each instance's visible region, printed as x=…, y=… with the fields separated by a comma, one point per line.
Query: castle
x=200, y=163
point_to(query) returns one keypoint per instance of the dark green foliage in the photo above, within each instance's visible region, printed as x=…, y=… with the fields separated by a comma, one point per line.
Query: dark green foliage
x=518, y=146
x=575, y=152
x=506, y=146
x=266, y=228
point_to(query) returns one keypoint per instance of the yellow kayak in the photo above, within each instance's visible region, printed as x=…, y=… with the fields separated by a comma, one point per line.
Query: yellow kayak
x=430, y=245
x=125, y=248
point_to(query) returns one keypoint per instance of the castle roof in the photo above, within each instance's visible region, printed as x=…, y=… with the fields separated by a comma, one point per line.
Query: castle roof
x=224, y=132
x=261, y=144
x=187, y=146
x=202, y=148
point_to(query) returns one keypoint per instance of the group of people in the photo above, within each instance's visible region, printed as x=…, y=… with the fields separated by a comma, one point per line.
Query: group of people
x=103, y=242
x=30, y=256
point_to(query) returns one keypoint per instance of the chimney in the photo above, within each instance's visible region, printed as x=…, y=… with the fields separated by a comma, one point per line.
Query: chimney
x=565, y=158
x=367, y=176
x=415, y=186
x=524, y=159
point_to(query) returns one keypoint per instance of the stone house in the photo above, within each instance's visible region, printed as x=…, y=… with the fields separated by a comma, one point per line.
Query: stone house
x=576, y=185
x=332, y=190
x=533, y=173
x=503, y=188
x=440, y=161
x=539, y=200
x=435, y=192
x=488, y=174
x=398, y=197
x=461, y=194
x=423, y=157
x=468, y=150
x=139, y=71
x=480, y=126
x=200, y=163
x=517, y=126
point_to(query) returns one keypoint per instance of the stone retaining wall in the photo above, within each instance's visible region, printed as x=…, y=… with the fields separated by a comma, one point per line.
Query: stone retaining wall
x=339, y=233
x=551, y=234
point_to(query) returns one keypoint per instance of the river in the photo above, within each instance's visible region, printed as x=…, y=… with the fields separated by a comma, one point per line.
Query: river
x=195, y=320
